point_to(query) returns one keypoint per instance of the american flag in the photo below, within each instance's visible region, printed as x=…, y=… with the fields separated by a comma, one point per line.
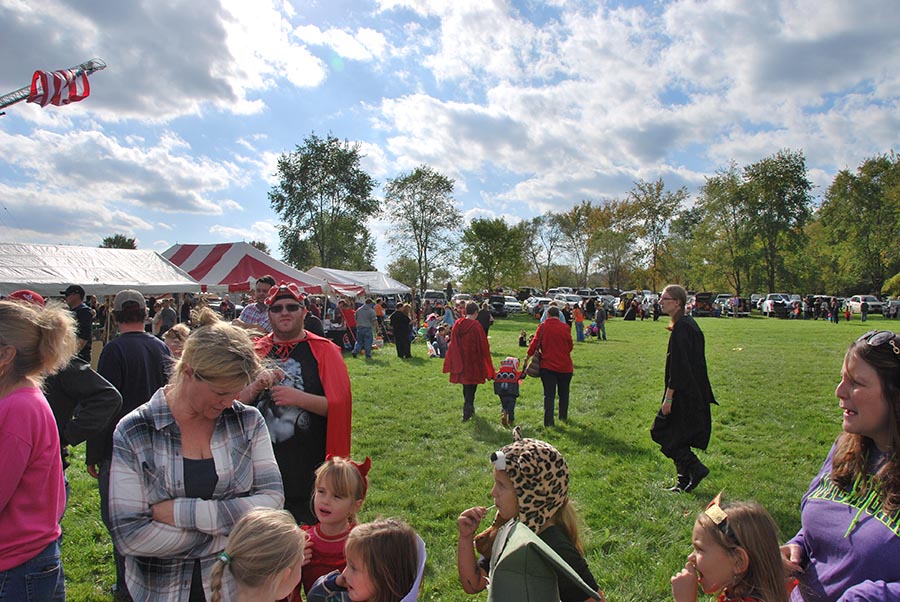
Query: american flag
x=59, y=87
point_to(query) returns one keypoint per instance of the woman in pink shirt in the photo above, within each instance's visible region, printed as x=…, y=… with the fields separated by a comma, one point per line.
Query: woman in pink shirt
x=33, y=344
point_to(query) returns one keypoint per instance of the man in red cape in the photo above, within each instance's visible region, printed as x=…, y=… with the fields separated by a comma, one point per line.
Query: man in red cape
x=308, y=411
x=468, y=358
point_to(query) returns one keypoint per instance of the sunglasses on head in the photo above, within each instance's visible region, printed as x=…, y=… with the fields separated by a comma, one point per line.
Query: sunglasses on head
x=290, y=307
x=877, y=338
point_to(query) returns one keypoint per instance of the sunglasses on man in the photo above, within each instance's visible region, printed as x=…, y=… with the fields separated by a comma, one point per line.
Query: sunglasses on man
x=289, y=307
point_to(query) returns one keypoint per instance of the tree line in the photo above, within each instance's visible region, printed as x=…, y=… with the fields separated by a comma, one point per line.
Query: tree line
x=754, y=228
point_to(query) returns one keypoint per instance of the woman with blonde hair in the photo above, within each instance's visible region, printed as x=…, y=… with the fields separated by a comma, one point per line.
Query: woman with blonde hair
x=264, y=556
x=188, y=464
x=33, y=344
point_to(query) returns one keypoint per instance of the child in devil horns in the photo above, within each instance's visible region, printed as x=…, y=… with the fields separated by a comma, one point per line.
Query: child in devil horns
x=506, y=387
x=340, y=490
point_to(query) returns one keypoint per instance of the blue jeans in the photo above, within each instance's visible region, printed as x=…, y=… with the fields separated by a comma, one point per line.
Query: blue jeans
x=40, y=579
x=579, y=332
x=601, y=329
x=364, y=340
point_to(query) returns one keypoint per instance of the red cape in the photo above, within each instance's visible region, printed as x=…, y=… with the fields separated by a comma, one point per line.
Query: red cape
x=468, y=358
x=335, y=381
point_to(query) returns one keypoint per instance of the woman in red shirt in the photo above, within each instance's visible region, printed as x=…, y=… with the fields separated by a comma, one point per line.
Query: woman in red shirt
x=554, y=340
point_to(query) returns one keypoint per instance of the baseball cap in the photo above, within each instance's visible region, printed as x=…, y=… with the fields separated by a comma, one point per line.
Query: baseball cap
x=73, y=288
x=27, y=295
x=128, y=296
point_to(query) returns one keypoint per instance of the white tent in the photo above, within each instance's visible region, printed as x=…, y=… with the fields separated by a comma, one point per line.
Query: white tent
x=49, y=269
x=372, y=283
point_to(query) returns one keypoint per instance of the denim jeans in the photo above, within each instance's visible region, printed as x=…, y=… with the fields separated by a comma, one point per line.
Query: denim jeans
x=364, y=340
x=40, y=579
x=601, y=330
x=579, y=332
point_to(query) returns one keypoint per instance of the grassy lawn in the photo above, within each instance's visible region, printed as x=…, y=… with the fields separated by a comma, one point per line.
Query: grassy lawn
x=774, y=379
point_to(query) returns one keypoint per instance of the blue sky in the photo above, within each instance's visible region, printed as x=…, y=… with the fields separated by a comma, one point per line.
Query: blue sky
x=530, y=106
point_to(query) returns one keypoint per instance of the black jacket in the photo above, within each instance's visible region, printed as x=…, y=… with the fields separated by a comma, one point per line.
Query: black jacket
x=83, y=403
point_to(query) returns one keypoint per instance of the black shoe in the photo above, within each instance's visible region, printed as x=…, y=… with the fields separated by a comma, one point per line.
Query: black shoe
x=681, y=485
x=698, y=473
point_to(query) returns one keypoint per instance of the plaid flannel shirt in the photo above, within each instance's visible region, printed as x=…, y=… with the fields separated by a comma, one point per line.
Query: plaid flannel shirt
x=253, y=314
x=147, y=467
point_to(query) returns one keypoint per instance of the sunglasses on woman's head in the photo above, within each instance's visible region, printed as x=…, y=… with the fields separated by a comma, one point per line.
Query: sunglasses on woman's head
x=877, y=338
x=290, y=307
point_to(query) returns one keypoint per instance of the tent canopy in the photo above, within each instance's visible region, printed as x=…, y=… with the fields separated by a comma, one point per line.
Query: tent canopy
x=372, y=283
x=48, y=269
x=235, y=266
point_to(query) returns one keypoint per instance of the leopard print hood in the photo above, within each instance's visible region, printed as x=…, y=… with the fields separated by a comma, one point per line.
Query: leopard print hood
x=540, y=476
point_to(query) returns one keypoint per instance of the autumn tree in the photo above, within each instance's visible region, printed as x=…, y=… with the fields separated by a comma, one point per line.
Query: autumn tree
x=613, y=236
x=118, y=241
x=861, y=216
x=778, y=204
x=574, y=226
x=543, y=240
x=424, y=219
x=656, y=207
x=324, y=199
x=492, y=253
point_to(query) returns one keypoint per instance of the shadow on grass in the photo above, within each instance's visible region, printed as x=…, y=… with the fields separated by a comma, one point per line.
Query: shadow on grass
x=592, y=439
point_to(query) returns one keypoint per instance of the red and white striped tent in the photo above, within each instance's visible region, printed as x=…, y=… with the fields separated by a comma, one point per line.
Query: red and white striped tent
x=235, y=266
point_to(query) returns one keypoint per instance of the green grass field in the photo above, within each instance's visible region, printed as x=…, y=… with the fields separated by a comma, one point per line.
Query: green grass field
x=774, y=379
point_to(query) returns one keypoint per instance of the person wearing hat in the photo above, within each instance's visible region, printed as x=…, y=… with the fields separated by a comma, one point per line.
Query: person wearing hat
x=531, y=487
x=84, y=317
x=306, y=401
x=137, y=364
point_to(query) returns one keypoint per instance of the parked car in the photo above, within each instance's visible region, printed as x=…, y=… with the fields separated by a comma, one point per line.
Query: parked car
x=534, y=306
x=775, y=303
x=703, y=304
x=435, y=297
x=497, y=303
x=875, y=304
x=513, y=305
x=461, y=298
x=755, y=298
x=567, y=298
x=891, y=309
x=525, y=292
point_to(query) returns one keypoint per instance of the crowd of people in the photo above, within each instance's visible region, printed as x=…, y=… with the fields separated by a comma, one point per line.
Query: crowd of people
x=222, y=454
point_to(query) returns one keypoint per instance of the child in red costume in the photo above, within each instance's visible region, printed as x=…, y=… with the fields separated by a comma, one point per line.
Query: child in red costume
x=341, y=486
x=736, y=555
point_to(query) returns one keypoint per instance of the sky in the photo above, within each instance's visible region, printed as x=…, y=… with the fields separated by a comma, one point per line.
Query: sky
x=529, y=106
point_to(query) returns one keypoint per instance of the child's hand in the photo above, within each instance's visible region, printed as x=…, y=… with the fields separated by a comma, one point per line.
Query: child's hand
x=469, y=520
x=684, y=584
x=307, y=554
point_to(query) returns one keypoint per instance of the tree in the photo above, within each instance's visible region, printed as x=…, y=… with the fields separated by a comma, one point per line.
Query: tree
x=613, y=239
x=404, y=269
x=576, y=235
x=656, y=207
x=423, y=217
x=778, y=204
x=861, y=215
x=726, y=227
x=493, y=252
x=118, y=241
x=258, y=244
x=543, y=239
x=324, y=198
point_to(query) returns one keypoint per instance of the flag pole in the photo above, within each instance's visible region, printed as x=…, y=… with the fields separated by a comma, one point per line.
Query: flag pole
x=86, y=68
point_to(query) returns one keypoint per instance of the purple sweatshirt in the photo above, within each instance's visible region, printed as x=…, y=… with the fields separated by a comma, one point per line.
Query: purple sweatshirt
x=851, y=548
